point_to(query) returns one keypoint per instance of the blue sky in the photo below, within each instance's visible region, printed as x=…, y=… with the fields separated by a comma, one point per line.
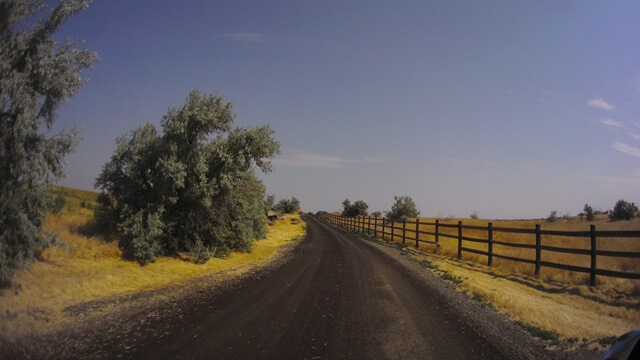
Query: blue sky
x=510, y=109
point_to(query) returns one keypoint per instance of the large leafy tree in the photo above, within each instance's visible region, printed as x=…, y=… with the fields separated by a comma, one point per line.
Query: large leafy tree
x=190, y=188
x=37, y=74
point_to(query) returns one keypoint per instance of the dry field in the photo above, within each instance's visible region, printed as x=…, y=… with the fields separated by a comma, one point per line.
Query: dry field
x=87, y=268
x=448, y=246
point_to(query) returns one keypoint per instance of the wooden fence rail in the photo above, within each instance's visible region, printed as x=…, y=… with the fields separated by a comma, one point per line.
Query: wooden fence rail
x=381, y=227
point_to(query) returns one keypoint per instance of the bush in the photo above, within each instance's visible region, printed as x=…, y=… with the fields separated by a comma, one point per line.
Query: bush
x=288, y=206
x=623, y=211
x=402, y=209
x=588, y=212
x=358, y=208
x=192, y=187
x=376, y=214
x=474, y=215
x=553, y=216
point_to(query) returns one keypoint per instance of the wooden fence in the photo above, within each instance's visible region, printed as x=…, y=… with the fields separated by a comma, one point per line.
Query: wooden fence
x=382, y=227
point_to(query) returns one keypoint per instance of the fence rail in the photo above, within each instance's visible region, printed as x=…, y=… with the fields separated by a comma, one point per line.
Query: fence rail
x=386, y=227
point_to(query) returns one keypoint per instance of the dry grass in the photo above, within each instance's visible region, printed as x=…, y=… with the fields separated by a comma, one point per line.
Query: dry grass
x=570, y=311
x=448, y=246
x=87, y=268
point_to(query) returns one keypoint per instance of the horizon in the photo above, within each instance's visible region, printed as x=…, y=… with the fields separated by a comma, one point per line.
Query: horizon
x=508, y=110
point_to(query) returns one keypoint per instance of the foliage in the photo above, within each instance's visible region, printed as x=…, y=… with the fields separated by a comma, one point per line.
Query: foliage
x=588, y=211
x=403, y=208
x=37, y=74
x=191, y=188
x=474, y=215
x=553, y=216
x=269, y=202
x=358, y=208
x=288, y=206
x=623, y=210
x=376, y=214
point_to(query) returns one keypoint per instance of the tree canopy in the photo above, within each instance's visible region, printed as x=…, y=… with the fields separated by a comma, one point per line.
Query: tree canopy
x=288, y=206
x=37, y=74
x=358, y=208
x=402, y=209
x=623, y=210
x=190, y=188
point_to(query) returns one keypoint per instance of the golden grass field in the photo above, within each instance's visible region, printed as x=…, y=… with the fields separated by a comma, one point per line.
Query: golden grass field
x=89, y=268
x=449, y=246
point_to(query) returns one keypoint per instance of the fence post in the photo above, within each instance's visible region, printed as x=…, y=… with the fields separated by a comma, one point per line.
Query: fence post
x=417, y=232
x=538, y=249
x=383, y=230
x=436, y=236
x=490, y=239
x=592, y=279
x=459, y=239
x=404, y=231
x=375, y=227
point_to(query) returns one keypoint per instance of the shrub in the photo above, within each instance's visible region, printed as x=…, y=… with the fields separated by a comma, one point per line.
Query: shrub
x=588, y=212
x=553, y=216
x=191, y=187
x=403, y=208
x=288, y=206
x=376, y=214
x=474, y=215
x=623, y=211
x=358, y=208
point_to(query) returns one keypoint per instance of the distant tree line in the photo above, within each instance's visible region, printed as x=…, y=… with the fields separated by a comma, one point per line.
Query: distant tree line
x=402, y=209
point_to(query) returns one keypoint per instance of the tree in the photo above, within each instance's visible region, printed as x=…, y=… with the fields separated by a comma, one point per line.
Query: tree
x=588, y=211
x=623, y=211
x=402, y=209
x=37, y=74
x=288, y=206
x=553, y=216
x=190, y=188
x=376, y=214
x=358, y=208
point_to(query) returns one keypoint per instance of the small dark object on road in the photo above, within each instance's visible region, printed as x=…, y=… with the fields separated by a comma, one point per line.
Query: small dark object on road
x=626, y=347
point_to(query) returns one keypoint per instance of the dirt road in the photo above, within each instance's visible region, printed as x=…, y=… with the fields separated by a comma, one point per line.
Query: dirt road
x=337, y=297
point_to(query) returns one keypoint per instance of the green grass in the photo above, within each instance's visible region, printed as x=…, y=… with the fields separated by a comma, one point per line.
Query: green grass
x=452, y=278
x=545, y=335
